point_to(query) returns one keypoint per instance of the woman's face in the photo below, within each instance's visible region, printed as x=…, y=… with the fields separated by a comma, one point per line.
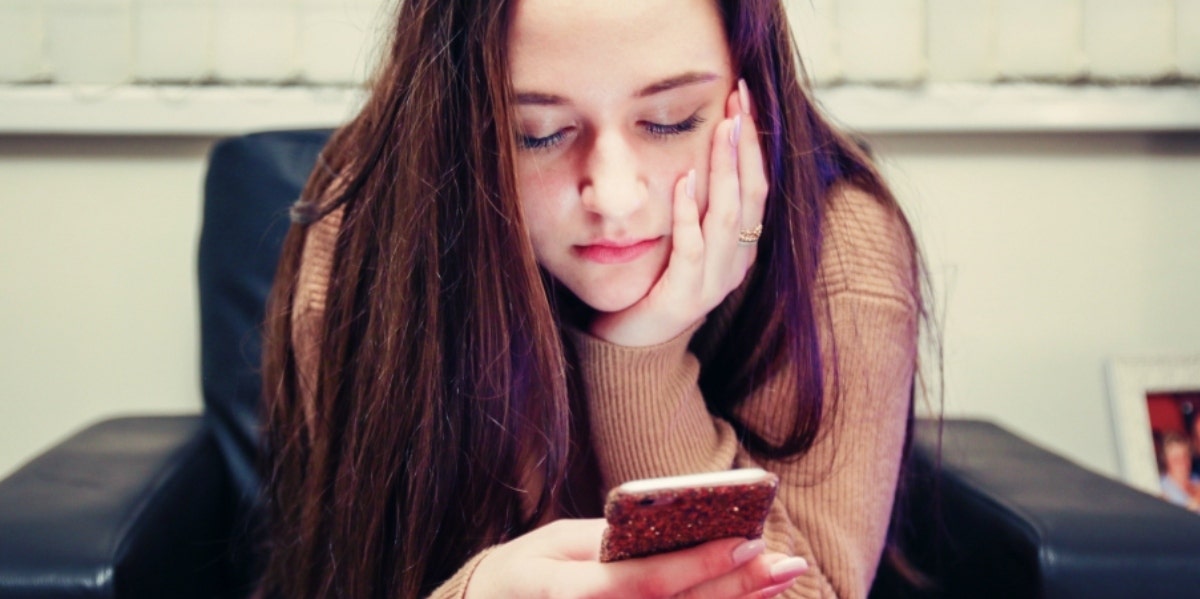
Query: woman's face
x=616, y=101
x=1178, y=459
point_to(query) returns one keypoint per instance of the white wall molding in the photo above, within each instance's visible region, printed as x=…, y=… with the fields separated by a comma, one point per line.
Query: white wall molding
x=1016, y=108
x=170, y=110
x=949, y=108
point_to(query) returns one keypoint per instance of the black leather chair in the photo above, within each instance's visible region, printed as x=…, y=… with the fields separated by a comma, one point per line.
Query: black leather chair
x=162, y=506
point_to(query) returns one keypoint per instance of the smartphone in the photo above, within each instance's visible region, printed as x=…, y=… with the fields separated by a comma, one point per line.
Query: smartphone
x=657, y=515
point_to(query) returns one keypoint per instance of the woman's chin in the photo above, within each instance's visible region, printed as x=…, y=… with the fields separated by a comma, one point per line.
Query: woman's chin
x=612, y=300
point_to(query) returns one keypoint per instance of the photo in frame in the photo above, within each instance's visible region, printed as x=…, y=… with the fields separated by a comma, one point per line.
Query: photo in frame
x=1150, y=396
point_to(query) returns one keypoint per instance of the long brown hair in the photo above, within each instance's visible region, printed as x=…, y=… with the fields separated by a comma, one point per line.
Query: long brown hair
x=442, y=362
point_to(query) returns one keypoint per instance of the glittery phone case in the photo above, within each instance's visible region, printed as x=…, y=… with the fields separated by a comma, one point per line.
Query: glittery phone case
x=666, y=514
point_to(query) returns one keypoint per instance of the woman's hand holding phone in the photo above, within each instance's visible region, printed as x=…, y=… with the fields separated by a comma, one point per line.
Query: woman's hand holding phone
x=707, y=260
x=561, y=559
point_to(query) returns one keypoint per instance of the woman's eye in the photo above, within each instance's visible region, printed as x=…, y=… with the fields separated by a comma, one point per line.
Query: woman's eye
x=684, y=126
x=529, y=142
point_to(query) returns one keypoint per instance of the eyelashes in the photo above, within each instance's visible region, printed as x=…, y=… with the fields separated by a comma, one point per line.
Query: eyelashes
x=684, y=126
x=658, y=130
x=527, y=142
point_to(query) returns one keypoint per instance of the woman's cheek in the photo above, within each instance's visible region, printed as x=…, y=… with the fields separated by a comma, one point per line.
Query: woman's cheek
x=674, y=165
x=541, y=190
x=531, y=181
x=701, y=153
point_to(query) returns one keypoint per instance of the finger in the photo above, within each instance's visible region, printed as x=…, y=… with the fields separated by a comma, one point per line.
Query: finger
x=668, y=574
x=771, y=591
x=752, y=174
x=688, y=248
x=761, y=577
x=744, y=100
x=575, y=539
x=724, y=217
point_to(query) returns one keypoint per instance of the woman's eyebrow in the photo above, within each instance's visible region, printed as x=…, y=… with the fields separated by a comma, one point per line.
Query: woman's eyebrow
x=689, y=78
x=540, y=99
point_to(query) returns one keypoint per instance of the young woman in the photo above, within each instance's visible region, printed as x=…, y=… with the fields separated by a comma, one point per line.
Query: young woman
x=566, y=245
x=1179, y=485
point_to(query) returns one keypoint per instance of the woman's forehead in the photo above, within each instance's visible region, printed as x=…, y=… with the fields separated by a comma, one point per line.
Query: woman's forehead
x=612, y=46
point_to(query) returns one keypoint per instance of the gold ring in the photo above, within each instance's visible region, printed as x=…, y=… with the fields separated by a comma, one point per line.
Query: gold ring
x=749, y=236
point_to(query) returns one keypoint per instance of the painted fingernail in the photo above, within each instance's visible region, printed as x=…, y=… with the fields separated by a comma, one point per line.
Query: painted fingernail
x=744, y=96
x=690, y=187
x=748, y=551
x=736, y=132
x=787, y=569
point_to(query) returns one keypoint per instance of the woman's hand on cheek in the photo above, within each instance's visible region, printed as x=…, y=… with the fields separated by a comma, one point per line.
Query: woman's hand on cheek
x=707, y=260
x=561, y=560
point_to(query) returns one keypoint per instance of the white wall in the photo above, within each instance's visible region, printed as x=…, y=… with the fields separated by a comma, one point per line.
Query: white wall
x=331, y=41
x=1054, y=252
x=98, y=313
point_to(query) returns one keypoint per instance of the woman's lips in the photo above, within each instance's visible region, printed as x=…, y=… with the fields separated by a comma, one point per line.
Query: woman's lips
x=615, y=253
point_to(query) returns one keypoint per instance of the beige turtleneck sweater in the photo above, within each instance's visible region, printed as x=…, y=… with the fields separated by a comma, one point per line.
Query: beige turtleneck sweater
x=648, y=418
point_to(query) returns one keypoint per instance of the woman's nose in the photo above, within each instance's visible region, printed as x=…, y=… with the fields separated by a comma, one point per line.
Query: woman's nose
x=612, y=186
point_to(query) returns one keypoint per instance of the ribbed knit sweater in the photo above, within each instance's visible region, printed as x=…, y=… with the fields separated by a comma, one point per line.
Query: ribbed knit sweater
x=648, y=417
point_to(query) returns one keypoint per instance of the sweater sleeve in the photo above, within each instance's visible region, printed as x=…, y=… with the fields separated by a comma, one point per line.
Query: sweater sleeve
x=649, y=419
x=456, y=586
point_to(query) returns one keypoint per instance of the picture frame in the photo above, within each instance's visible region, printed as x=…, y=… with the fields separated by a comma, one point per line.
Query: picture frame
x=1130, y=379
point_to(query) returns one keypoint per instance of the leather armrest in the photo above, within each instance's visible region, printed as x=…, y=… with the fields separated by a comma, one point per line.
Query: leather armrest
x=129, y=507
x=1006, y=518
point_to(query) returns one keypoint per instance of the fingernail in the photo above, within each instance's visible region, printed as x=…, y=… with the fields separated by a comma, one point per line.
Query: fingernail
x=787, y=569
x=744, y=96
x=748, y=551
x=736, y=132
x=690, y=186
